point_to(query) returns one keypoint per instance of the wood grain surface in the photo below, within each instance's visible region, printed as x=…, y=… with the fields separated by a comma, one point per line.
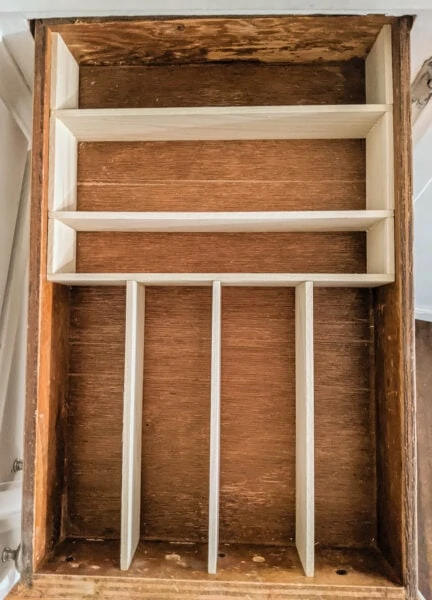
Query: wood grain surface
x=165, y=571
x=239, y=83
x=222, y=176
x=345, y=478
x=257, y=336
x=394, y=351
x=257, y=498
x=176, y=414
x=95, y=412
x=221, y=252
x=297, y=39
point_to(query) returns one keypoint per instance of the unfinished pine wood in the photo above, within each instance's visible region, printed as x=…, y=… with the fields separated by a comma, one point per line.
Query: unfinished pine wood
x=176, y=414
x=305, y=441
x=214, y=480
x=394, y=339
x=345, y=439
x=221, y=123
x=61, y=247
x=132, y=422
x=64, y=75
x=380, y=165
x=222, y=176
x=63, y=151
x=238, y=83
x=63, y=167
x=257, y=495
x=227, y=279
x=222, y=221
x=95, y=408
x=297, y=39
x=380, y=247
x=221, y=252
x=378, y=67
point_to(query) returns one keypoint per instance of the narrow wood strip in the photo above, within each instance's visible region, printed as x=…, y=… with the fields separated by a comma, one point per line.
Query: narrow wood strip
x=296, y=221
x=305, y=502
x=231, y=279
x=213, y=536
x=132, y=422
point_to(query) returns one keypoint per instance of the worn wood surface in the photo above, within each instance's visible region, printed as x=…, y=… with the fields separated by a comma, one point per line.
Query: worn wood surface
x=345, y=478
x=424, y=434
x=394, y=328
x=221, y=252
x=46, y=353
x=196, y=40
x=187, y=562
x=218, y=176
x=95, y=412
x=180, y=573
x=243, y=84
x=353, y=516
x=176, y=414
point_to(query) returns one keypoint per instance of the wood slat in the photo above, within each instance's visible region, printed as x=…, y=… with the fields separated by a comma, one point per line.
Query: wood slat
x=132, y=423
x=227, y=279
x=215, y=419
x=222, y=221
x=305, y=417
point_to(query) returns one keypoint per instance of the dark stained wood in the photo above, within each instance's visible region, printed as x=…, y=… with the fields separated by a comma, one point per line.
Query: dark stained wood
x=345, y=477
x=218, y=176
x=257, y=496
x=221, y=252
x=227, y=84
x=299, y=39
x=176, y=414
x=394, y=326
x=46, y=354
x=424, y=436
x=95, y=412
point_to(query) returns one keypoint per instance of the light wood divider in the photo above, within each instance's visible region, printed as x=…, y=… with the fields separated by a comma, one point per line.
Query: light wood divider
x=214, y=484
x=305, y=495
x=132, y=422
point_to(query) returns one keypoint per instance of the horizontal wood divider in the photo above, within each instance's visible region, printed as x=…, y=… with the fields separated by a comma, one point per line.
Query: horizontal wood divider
x=222, y=123
x=263, y=221
x=226, y=279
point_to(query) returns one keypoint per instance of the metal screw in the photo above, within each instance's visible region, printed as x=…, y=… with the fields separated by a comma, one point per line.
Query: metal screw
x=10, y=554
x=18, y=465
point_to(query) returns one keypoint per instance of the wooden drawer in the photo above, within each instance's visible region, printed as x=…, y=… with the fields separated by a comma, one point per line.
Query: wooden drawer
x=220, y=381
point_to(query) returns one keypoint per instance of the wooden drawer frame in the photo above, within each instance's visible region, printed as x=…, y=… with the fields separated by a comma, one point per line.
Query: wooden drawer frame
x=394, y=350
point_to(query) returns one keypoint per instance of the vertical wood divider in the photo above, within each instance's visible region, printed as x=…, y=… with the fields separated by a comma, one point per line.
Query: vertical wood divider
x=379, y=155
x=305, y=494
x=132, y=422
x=213, y=528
